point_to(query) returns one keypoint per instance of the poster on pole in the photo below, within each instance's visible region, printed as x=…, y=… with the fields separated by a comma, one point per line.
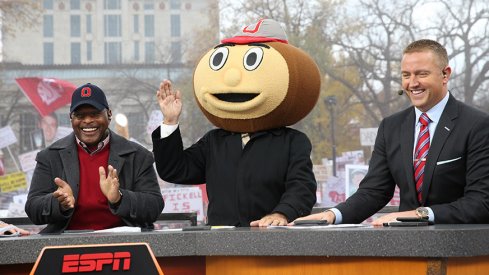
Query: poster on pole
x=367, y=136
x=7, y=137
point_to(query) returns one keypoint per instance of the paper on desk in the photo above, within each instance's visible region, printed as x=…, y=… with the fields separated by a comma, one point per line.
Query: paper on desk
x=330, y=226
x=119, y=229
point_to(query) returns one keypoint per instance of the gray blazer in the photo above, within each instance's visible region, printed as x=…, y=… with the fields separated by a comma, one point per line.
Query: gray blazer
x=141, y=203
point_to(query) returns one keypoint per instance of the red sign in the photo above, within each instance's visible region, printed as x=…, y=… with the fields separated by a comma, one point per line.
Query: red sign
x=46, y=94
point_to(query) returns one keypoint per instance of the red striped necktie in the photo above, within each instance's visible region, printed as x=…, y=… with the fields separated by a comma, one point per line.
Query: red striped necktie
x=422, y=148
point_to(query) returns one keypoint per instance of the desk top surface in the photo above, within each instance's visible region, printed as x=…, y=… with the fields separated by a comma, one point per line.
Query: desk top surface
x=428, y=241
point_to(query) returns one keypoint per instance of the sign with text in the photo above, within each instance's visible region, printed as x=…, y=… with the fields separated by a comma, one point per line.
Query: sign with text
x=183, y=199
x=367, y=136
x=122, y=258
x=13, y=182
x=28, y=160
x=155, y=119
x=7, y=137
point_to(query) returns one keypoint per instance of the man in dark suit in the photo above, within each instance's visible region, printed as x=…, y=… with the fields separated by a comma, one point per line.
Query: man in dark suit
x=437, y=152
x=93, y=178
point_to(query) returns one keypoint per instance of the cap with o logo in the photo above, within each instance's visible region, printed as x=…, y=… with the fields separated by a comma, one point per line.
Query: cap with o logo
x=265, y=30
x=88, y=94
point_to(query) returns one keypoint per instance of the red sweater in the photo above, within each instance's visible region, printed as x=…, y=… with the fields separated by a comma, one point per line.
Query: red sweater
x=92, y=207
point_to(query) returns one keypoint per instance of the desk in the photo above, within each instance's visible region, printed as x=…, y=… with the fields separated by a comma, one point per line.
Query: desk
x=433, y=250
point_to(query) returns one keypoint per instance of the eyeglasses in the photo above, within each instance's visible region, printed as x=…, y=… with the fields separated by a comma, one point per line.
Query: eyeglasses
x=83, y=115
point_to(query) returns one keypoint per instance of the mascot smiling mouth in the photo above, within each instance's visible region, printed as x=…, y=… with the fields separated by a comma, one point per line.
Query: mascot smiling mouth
x=235, y=97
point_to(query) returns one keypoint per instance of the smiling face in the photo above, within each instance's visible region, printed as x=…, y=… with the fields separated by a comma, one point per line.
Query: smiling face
x=90, y=125
x=424, y=79
x=252, y=87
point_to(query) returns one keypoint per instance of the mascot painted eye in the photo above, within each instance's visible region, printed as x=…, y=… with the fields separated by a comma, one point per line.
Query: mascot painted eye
x=218, y=58
x=253, y=58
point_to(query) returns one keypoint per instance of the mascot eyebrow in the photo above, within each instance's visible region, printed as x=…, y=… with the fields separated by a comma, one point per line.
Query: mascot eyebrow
x=233, y=44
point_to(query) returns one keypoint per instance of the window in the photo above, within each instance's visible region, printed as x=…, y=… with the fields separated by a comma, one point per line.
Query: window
x=136, y=23
x=136, y=50
x=27, y=131
x=75, y=4
x=75, y=53
x=176, y=52
x=89, y=23
x=48, y=49
x=47, y=27
x=175, y=4
x=175, y=25
x=113, y=53
x=89, y=50
x=112, y=25
x=47, y=4
x=149, y=52
x=148, y=6
x=112, y=4
x=149, y=23
x=75, y=25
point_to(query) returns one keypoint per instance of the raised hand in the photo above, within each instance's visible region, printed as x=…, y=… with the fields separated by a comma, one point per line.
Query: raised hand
x=170, y=102
x=64, y=194
x=109, y=184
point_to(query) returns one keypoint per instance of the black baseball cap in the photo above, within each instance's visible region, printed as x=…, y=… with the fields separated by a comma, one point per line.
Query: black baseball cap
x=89, y=94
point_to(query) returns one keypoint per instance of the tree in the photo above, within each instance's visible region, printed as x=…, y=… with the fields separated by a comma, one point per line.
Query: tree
x=463, y=26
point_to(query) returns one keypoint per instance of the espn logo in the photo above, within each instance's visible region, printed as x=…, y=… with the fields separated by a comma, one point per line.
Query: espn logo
x=90, y=262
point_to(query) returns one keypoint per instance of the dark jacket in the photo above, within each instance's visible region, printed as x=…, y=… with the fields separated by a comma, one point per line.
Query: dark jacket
x=456, y=175
x=272, y=173
x=141, y=203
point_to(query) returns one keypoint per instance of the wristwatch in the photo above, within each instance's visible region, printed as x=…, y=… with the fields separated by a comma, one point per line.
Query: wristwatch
x=422, y=212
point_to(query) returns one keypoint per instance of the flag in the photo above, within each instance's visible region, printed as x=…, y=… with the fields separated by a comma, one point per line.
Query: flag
x=46, y=94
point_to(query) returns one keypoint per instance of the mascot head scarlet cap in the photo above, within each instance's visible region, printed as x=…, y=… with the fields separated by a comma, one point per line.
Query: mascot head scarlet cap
x=256, y=81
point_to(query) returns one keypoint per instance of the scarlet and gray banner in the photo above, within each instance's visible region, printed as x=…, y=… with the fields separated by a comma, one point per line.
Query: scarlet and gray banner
x=46, y=94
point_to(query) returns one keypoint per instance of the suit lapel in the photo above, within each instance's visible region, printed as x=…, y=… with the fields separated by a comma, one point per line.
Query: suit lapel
x=442, y=132
x=407, y=143
x=118, y=148
x=69, y=158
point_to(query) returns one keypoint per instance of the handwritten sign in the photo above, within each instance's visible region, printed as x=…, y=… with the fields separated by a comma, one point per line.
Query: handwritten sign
x=183, y=199
x=367, y=136
x=7, y=137
x=28, y=160
x=155, y=119
x=320, y=172
x=13, y=182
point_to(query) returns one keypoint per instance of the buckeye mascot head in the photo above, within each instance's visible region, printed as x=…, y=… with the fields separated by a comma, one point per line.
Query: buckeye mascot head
x=256, y=81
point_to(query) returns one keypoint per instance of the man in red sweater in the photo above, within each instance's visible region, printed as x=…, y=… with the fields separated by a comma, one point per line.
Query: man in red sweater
x=93, y=178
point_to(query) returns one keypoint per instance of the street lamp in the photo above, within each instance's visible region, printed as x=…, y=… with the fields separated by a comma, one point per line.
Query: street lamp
x=330, y=102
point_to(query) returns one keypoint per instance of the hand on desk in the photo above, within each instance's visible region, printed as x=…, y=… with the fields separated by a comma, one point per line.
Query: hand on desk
x=392, y=217
x=272, y=219
x=13, y=229
x=325, y=215
x=64, y=194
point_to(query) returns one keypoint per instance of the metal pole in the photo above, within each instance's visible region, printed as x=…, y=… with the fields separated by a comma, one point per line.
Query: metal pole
x=330, y=103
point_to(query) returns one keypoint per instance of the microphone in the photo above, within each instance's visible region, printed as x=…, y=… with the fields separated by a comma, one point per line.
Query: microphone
x=400, y=92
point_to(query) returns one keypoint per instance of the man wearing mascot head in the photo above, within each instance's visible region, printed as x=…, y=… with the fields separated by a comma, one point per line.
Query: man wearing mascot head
x=258, y=171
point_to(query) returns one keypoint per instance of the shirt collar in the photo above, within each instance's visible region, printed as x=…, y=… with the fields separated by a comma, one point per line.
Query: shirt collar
x=435, y=112
x=101, y=145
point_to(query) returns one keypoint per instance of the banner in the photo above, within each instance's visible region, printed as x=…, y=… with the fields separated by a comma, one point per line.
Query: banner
x=46, y=94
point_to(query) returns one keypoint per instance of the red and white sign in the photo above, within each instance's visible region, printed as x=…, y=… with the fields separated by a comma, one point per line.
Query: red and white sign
x=183, y=199
x=46, y=94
